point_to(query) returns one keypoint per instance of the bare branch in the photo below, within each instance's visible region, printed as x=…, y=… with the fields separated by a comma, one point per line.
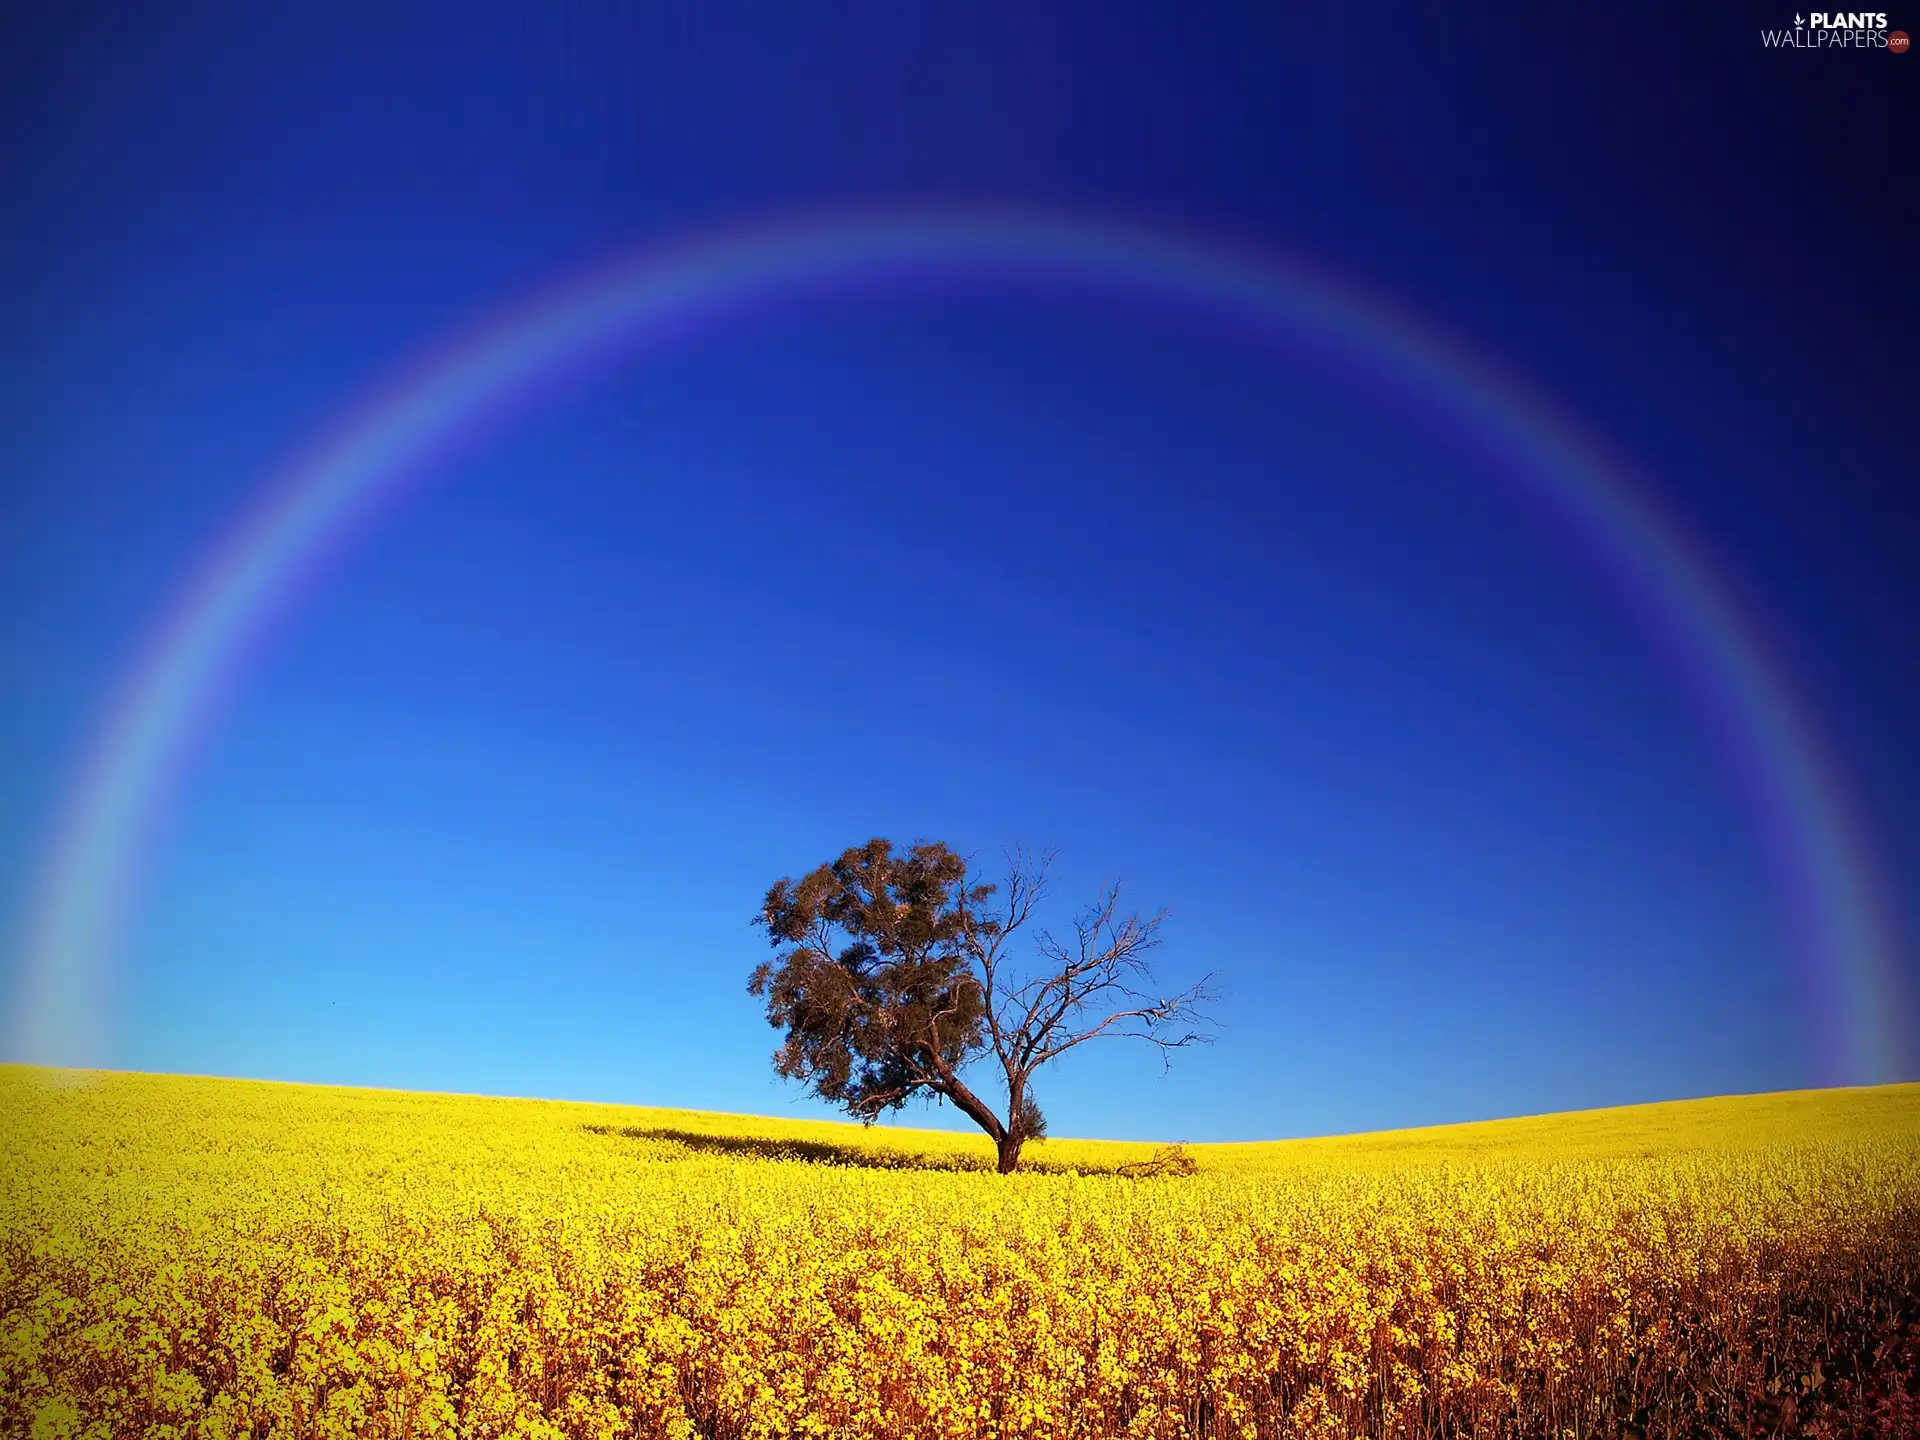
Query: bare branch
x=1108, y=952
x=1158, y=1022
x=987, y=937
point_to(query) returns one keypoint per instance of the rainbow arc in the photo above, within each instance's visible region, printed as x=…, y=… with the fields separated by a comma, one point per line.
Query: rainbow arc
x=641, y=304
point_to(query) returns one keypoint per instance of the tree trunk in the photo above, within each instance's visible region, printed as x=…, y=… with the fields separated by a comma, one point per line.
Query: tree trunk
x=1005, y=1140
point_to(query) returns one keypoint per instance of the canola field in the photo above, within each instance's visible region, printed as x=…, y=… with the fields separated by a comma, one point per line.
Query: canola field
x=217, y=1258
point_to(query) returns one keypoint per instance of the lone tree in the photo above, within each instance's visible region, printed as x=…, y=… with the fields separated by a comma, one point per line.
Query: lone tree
x=894, y=979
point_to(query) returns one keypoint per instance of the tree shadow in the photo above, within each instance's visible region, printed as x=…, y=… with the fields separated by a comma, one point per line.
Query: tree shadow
x=850, y=1157
x=813, y=1152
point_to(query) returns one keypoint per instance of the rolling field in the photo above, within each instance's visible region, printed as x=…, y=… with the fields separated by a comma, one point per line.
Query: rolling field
x=219, y=1258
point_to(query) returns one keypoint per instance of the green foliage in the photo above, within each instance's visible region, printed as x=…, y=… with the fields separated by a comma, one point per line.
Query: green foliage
x=874, y=990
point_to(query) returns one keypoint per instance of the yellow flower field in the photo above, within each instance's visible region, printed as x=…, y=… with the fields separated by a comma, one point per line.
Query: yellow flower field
x=217, y=1258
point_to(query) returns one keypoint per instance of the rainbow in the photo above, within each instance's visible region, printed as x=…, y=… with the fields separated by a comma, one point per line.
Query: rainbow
x=169, y=694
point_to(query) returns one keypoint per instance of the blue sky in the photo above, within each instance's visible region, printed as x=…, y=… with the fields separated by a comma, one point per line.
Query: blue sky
x=492, y=810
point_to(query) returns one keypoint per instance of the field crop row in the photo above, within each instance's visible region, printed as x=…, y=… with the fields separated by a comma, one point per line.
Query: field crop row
x=222, y=1259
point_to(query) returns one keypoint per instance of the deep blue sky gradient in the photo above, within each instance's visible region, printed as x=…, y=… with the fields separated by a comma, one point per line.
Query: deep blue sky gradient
x=493, y=809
